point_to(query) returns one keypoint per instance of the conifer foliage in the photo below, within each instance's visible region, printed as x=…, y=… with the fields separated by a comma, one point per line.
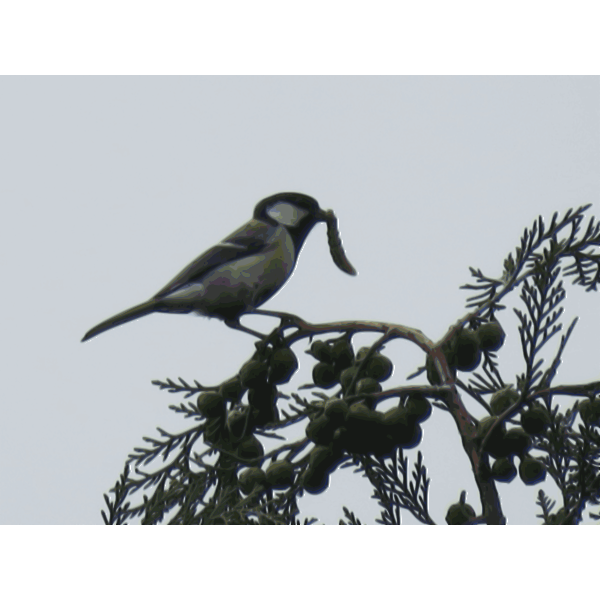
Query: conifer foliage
x=217, y=471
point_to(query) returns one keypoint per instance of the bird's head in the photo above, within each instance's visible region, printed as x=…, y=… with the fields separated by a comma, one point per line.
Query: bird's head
x=299, y=213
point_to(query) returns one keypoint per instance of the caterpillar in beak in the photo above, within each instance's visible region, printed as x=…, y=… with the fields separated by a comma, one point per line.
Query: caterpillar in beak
x=335, y=245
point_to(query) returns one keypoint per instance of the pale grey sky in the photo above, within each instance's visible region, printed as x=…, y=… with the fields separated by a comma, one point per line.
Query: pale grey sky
x=111, y=185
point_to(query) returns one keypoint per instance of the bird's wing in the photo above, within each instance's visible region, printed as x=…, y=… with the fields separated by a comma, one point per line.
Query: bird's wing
x=251, y=238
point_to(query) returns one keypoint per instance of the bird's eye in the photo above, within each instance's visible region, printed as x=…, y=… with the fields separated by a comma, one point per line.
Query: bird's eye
x=286, y=214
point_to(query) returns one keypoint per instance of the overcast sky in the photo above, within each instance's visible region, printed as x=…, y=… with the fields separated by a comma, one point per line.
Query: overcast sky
x=111, y=186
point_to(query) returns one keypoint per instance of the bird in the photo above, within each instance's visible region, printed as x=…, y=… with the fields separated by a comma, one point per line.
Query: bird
x=244, y=270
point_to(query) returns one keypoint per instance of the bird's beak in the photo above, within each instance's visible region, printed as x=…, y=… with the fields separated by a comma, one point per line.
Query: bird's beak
x=335, y=242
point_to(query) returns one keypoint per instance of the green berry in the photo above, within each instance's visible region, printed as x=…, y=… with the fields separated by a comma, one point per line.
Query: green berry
x=249, y=449
x=459, y=514
x=364, y=429
x=590, y=412
x=402, y=427
x=280, y=474
x=336, y=409
x=343, y=354
x=531, y=471
x=379, y=367
x=210, y=404
x=465, y=350
x=490, y=336
x=535, y=420
x=320, y=430
x=321, y=351
x=418, y=407
x=263, y=400
x=503, y=399
x=322, y=461
x=251, y=478
x=367, y=385
x=253, y=373
x=324, y=375
x=504, y=470
x=283, y=365
x=518, y=441
x=232, y=389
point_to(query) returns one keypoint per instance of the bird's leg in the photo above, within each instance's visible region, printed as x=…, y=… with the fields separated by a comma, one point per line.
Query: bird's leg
x=240, y=327
x=286, y=318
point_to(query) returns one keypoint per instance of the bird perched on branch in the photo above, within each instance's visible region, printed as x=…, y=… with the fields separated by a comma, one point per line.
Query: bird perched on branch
x=244, y=270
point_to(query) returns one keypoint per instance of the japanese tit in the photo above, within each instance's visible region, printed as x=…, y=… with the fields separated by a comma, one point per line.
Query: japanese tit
x=244, y=270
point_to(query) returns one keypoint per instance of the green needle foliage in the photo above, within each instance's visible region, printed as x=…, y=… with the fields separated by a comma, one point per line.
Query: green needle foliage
x=217, y=472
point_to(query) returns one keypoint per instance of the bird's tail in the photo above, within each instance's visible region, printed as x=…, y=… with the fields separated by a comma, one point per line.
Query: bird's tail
x=127, y=315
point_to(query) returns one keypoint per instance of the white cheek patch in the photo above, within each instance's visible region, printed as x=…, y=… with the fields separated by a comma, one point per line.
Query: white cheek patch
x=286, y=214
